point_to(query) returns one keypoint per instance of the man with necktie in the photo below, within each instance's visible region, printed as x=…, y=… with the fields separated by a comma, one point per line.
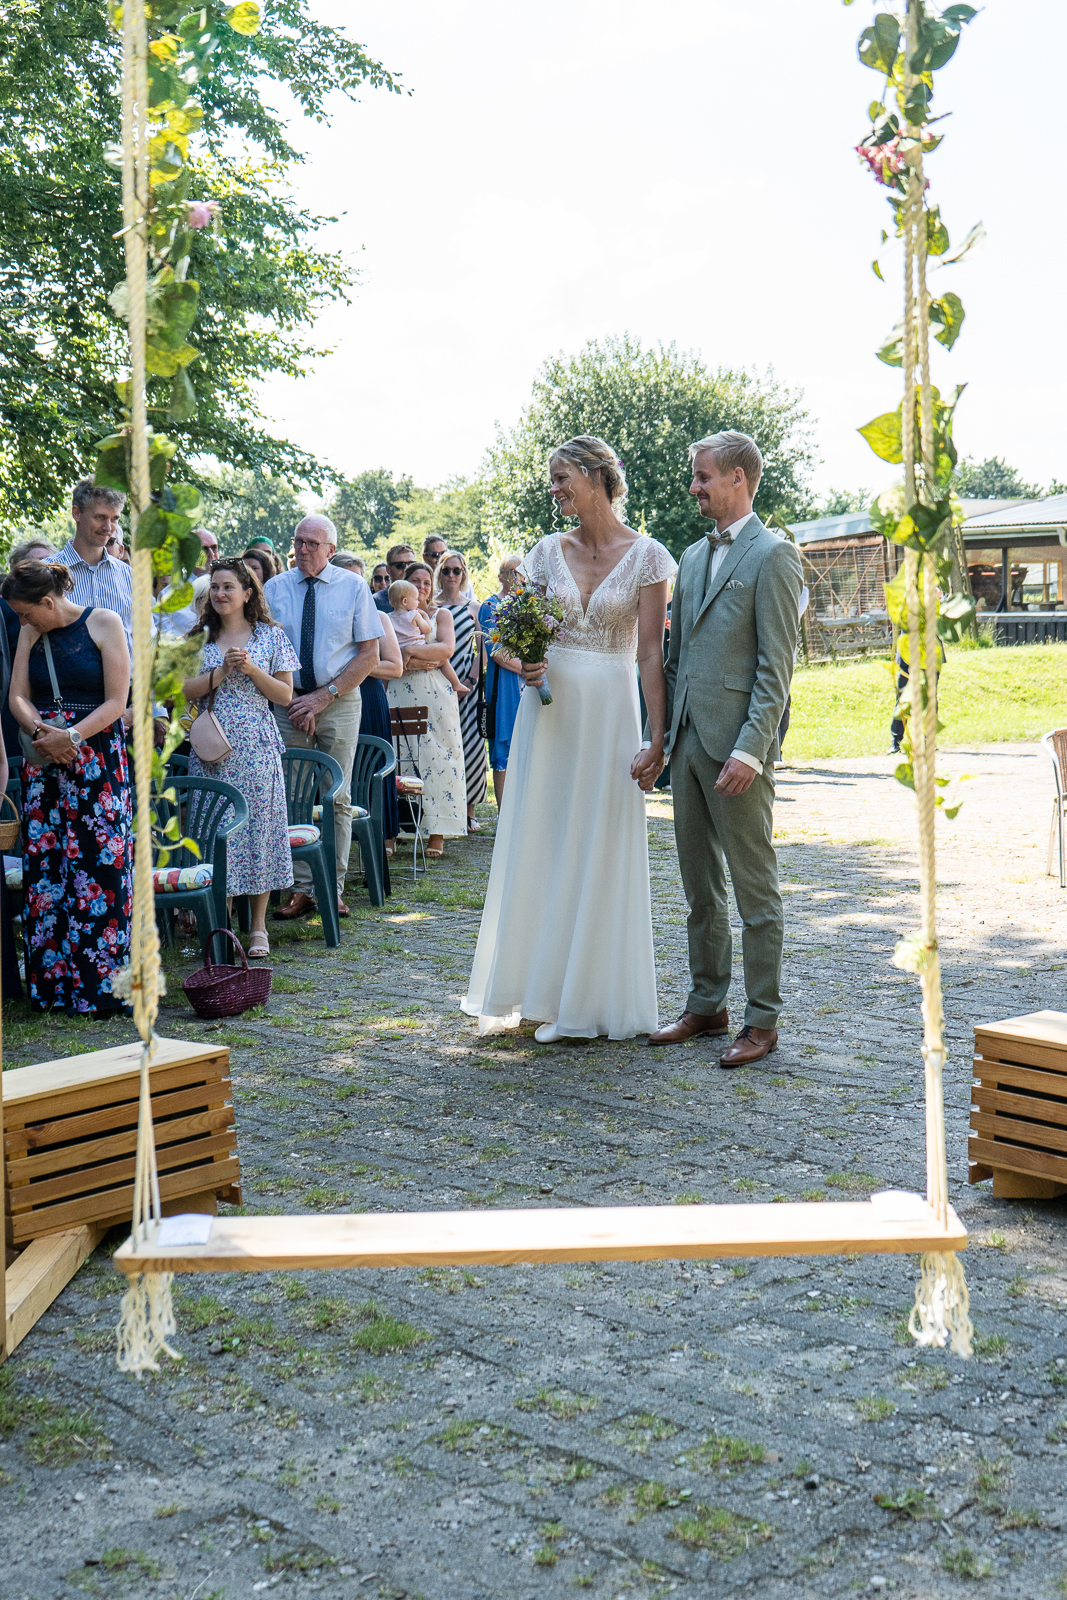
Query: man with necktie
x=734, y=621
x=330, y=620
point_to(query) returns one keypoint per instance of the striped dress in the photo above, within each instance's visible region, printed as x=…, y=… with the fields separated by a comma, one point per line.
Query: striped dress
x=465, y=666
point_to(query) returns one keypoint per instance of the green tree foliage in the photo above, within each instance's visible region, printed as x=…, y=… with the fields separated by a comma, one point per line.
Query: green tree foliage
x=650, y=404
x=261, y=284
x=365, y=508
x=839, y=502
x=240, y=506
x=456, y=513
x=992, y=479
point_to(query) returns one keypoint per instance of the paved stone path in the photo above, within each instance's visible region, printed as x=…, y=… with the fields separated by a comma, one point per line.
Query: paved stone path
x=633, y=1430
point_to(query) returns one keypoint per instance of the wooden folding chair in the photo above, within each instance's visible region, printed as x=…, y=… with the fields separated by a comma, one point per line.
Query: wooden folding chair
x=409, y=725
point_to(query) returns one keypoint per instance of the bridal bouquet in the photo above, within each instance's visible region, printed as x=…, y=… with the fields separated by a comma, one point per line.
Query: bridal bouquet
x=526, y=623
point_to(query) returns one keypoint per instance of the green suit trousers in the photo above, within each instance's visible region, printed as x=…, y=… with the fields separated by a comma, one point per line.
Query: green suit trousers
x=714, y=832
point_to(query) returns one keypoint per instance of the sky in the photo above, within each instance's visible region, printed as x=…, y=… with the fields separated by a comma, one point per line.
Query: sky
x=681, y=171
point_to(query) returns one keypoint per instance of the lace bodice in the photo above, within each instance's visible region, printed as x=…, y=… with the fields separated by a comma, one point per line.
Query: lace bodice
x=609, y=626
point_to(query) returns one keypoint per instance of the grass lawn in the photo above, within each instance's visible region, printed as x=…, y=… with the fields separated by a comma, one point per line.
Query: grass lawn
x=986, y=696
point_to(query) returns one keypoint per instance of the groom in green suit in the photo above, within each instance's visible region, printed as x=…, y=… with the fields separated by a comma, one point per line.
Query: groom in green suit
x=734, y=622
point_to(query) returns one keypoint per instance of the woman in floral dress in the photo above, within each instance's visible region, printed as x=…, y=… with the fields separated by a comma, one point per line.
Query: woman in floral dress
x=249, y=663
x=444, y=796
x=77, y=869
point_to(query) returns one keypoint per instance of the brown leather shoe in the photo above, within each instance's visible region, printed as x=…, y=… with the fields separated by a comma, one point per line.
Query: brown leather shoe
x=342, y=909
x=298, y=905
x=688, y=1026
x=751, y=1044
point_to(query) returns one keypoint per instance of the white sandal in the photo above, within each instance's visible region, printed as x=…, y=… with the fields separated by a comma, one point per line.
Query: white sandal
x=259, y=945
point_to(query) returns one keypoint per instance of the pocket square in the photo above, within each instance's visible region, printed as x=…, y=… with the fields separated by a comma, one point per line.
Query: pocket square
x=732, y=583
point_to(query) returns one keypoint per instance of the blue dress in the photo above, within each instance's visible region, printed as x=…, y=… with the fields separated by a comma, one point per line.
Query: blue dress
x=507, y=692
x=374, y=718
x=77, y=830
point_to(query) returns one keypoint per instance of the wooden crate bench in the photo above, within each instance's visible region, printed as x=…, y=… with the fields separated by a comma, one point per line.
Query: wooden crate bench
x=1019, y=1111
x=70, y=1136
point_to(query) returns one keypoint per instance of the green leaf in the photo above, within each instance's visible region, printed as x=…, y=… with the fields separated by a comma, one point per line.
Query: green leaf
x=948, y=313
x=182, y=405
x=244, y=18
x=172, y=312
x=917, y=104
x=110, y=470
x=179, y=597
x=875, y=110
x=879, y=44
x=190, y=550
x=164, y=363
x=905, y=774
x=972, y=241
x=939, y=36
x=187, y=500
x=884, y=436
x=936, y=233
x=892, y=350
x=152, y=529
x=875, y=268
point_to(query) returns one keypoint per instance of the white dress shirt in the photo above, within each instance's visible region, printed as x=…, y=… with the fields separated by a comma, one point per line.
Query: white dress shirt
x=345, y=616
x=108, y=585
x=718, y=556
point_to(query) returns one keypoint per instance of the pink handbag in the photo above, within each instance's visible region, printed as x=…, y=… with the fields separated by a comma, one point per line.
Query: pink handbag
x=207, y=735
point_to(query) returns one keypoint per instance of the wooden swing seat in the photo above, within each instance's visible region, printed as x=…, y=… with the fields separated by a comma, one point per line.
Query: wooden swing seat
x=505, y=1238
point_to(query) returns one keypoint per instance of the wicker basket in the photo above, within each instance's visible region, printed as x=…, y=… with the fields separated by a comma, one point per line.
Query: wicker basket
x=10, y=832
x=218, y=990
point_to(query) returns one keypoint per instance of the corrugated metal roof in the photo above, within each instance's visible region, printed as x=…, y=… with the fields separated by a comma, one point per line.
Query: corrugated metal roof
x=846, y=527
x=1026, y=516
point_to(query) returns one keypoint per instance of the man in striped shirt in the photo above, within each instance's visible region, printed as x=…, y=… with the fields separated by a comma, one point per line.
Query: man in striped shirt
x=99, y=578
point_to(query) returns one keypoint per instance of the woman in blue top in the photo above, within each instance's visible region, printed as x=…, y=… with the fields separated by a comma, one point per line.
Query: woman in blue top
x=503, y=681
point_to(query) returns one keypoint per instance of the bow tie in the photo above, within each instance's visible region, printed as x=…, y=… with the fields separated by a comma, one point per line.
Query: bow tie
x=716, y=539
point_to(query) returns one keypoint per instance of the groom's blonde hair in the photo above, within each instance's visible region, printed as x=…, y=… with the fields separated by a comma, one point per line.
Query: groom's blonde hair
x=732, y=450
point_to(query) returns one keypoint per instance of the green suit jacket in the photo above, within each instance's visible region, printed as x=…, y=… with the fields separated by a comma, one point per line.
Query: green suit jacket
x=733, y=643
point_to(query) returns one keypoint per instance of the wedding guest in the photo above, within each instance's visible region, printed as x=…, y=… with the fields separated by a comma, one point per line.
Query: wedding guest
x=374, y=719
x=330, y=620
x=440, y=759
x=345, y=558
x=115, y=547
x=379, y=578
x=412, y=625
x=101, y=581
x=454, y=581
x=184, y=621
x=433, y=548
x=248, y=663
x=77, y=870
x=397, y=561
x=34, y=548
x=504, y=681
x=260, y=563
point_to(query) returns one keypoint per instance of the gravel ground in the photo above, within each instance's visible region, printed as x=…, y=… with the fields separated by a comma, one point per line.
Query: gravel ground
x=703, y=1429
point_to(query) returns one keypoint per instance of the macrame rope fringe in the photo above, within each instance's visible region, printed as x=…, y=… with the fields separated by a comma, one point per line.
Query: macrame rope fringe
x=941, y=1313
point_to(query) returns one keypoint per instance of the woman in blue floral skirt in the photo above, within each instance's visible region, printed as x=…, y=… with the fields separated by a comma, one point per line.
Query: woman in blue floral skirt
x=76, y=808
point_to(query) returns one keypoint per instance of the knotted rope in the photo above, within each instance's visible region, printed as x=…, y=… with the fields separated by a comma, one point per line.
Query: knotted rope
x=940, y=1314
x=147, y=1319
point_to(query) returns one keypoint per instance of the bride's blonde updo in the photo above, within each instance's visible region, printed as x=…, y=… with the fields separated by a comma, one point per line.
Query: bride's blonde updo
x=594, y=455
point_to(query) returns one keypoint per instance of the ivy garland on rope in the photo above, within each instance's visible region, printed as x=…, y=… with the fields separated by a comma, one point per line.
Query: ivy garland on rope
x=906, y=50
x=165, y=53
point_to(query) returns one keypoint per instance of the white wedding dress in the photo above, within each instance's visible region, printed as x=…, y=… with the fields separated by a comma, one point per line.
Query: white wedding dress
x=566, y=934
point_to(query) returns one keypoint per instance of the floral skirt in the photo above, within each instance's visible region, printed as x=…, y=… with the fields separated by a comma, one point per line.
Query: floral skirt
x=78, y=875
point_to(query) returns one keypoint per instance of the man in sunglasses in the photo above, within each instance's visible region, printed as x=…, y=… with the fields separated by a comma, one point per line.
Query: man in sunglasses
x=397, y=560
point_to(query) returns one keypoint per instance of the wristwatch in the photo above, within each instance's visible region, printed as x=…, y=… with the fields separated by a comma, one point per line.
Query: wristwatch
x=332, y=690
x=75, y=738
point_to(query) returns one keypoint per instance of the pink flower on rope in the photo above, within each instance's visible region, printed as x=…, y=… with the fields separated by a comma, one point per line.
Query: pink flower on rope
x=201, y=213
x=882, y=158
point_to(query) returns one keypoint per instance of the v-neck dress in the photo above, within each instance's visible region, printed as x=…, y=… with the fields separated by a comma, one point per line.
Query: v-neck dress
x=566, y=934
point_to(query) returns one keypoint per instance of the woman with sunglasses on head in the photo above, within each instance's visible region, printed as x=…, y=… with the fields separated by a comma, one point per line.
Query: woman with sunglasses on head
x=248, y=666
x=453, y=582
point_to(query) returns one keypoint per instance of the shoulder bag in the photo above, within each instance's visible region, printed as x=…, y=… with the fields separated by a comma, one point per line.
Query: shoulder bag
x=207, y=735
x=29, y=753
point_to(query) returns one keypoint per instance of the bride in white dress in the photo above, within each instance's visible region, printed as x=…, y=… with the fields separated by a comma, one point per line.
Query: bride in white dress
x=566, y=934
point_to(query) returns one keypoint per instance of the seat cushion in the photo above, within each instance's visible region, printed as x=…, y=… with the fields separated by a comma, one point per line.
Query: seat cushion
x=358, y=813
x=302, y=833
x=406, y=784
x=179, y=880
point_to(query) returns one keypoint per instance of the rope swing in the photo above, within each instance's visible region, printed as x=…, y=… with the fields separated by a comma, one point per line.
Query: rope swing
x=888, y=1223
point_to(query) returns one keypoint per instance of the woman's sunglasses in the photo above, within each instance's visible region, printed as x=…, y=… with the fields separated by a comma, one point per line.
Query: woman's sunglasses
x=451, y=572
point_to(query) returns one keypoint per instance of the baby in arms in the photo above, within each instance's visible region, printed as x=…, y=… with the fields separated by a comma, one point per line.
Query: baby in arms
x=412, y=626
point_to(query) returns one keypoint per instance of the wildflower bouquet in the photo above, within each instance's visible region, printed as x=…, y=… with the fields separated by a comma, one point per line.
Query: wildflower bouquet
x=526, y=623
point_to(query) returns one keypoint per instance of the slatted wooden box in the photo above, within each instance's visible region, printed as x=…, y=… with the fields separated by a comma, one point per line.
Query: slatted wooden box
x=70, y=1136
x=1019, y=1111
